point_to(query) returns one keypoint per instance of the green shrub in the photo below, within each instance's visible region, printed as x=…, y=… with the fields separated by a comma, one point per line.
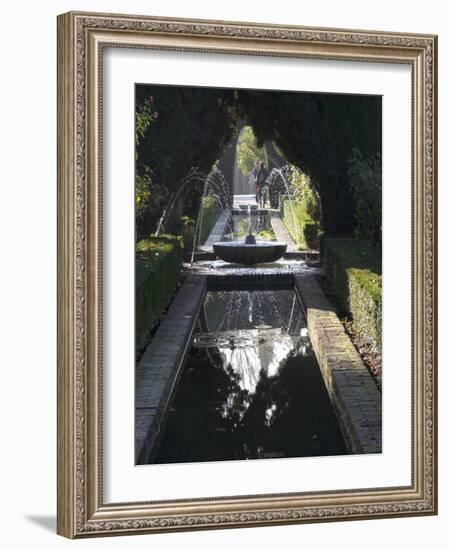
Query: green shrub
x=365, y=303
x=208, y=217
x=365, y=180
x=158, y=264
x=354, y=269
x=301, y=212
x=311, y=234
x=303, y=229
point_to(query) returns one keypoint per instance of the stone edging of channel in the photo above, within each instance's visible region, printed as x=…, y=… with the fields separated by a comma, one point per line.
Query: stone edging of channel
x=352, y=390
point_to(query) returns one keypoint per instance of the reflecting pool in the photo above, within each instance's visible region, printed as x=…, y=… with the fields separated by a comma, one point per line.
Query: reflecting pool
x=251, y=387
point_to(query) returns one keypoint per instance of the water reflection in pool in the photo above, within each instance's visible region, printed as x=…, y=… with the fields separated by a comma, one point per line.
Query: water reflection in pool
x=251, y=386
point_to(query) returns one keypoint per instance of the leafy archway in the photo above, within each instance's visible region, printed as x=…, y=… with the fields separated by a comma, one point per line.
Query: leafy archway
x=194, y=127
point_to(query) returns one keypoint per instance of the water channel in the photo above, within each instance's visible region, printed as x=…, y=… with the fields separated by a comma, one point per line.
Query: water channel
x=251, y=387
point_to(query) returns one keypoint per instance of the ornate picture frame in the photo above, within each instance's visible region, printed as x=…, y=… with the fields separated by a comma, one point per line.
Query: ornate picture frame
x=82, y=38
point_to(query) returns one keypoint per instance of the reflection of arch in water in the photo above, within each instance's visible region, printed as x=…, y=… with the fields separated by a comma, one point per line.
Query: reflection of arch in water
x=252, y=331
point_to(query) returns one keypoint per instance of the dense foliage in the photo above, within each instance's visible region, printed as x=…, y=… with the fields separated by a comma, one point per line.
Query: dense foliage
x=149, y=197
x=318, y=132
x=178, y=130
x=301, y=211
x=354, y=269
x=158, y=264
x=365, y=179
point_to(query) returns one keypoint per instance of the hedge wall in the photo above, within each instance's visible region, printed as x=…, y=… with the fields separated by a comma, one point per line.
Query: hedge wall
x=211, y=211
x=158, y=264
x=304, y=230
x=354, y=270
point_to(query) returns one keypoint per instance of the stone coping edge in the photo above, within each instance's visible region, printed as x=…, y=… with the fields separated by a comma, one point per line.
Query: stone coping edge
x=352, y=390
x=159, y=368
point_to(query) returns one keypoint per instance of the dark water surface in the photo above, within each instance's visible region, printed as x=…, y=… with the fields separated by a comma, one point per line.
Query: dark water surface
x=251, y=387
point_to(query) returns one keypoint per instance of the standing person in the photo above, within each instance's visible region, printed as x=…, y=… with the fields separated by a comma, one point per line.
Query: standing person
x=262, y=175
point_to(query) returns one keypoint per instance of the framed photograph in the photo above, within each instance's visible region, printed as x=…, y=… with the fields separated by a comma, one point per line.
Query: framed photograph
x=246, y=274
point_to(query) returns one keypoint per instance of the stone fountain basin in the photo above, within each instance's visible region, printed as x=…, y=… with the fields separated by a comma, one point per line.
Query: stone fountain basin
x=238, y=252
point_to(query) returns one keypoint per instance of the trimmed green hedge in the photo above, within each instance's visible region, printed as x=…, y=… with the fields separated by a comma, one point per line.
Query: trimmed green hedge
x=304, y=230
x=158, y=264
x=353, y=267
x=301, y=213
x=211, y=211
